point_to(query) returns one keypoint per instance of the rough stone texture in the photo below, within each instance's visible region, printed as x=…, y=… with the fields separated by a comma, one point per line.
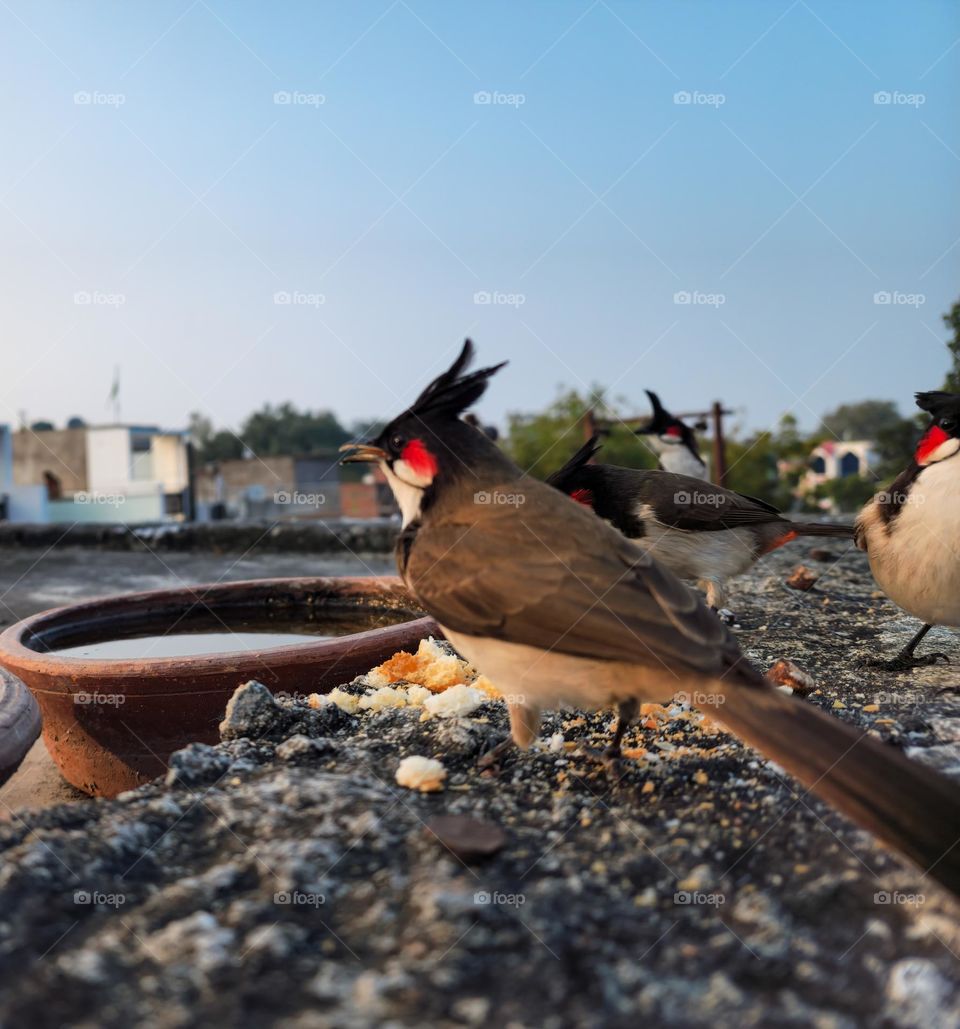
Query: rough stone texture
x=282, y=878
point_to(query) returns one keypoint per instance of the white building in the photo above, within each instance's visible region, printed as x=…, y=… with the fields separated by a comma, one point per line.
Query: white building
x=838, y=459
x=112, y=473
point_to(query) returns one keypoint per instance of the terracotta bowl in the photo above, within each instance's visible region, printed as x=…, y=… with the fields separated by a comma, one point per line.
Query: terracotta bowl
x=112, y=724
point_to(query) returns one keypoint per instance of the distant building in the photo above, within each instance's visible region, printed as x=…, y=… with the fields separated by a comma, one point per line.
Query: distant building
x=838, y=459
x=132, y=474
x=288, y=488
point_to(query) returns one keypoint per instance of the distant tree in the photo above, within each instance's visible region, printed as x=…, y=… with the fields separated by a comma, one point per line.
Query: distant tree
x=285, y=430
x=865, y=419
x=952, y=322
x=541, y=443
x=41, y=426
x=76, y=422
x=211, y=444
x=768, y=465
x=849, y=494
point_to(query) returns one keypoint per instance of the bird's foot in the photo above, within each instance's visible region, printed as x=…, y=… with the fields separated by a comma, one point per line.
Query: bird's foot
x=491, y=763
x=904, y=662
x=611, y=759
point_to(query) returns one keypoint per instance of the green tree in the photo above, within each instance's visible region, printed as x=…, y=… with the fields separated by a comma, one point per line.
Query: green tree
x=541, y=443
x=865, y=419
x=213, y=444
x=952, y=322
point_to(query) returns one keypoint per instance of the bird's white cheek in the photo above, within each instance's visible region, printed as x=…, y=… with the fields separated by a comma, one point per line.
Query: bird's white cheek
x=947, y=448
x=403, y=471
x=408, y=497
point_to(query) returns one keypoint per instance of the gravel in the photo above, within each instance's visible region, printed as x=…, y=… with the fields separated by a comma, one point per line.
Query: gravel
x=283, y=878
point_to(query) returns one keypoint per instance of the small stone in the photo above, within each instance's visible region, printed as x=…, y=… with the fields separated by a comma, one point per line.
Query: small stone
x=468, y=838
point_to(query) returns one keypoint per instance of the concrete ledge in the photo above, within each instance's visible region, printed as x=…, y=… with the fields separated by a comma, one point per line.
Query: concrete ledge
x=327, y=537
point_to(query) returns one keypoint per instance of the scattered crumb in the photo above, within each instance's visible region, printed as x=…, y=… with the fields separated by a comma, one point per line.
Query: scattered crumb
x=871, y=708
x=786, y=673
x=345, y=701
x=456, y=701
x=425, y=774
x=431, y=667
x=801, y=578
x=386, y=696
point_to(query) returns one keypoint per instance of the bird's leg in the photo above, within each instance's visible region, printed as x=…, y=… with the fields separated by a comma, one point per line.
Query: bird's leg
x=492, y=760
x=906, y=659
x=611, y=757
x=716, y=597
x=524, y=726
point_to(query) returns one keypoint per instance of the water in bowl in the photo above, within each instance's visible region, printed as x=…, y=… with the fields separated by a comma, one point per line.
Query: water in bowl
x=214, y=634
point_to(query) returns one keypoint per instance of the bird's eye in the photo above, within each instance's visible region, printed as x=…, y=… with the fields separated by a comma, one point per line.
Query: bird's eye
x=948, y=424
x=396, y=443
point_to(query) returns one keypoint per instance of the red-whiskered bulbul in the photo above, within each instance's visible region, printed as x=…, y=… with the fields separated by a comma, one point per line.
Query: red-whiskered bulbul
x=911, y=531
x=701, y=532
x=558, y=608
x=673, y=441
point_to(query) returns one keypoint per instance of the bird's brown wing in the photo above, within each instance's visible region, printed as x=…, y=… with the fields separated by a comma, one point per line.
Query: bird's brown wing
x=545, y=572
x=683, y=502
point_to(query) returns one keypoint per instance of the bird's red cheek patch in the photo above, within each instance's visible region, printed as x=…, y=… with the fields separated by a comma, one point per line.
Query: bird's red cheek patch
x=419, y=458
x=932, y=438
x=583, y=496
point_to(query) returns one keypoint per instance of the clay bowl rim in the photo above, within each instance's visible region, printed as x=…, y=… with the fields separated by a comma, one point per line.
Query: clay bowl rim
x=386, y=593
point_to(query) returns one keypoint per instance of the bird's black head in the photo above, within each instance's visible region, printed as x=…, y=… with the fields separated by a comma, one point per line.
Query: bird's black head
x=429, y=445
x=942, y=438
x=668, y=429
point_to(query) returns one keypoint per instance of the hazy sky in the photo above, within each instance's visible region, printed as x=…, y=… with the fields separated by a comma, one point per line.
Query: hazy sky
x=156, y=198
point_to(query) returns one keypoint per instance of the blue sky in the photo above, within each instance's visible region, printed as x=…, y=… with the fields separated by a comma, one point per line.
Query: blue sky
x=157, y=225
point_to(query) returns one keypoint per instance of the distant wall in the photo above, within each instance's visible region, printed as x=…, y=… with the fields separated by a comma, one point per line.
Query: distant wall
x=62, y=452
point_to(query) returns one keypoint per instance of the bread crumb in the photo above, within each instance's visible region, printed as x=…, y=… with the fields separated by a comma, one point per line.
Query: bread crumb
x=382, y=698
x=425, y=774
x=701, y=778
x=648, y=787
x=455, y=701
x=870, y=708
x=345, y=701
x=431, y=667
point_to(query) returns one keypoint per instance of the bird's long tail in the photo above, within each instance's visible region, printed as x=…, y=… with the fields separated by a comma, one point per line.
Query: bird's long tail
x=822, y=529
x=907, y=806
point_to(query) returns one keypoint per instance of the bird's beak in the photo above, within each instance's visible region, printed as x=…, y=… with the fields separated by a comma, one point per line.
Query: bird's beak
x=354, y=453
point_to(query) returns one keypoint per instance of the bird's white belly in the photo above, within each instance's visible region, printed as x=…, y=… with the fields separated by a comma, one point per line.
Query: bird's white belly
x=717, y=555
x=544, y=679
x=918, y=565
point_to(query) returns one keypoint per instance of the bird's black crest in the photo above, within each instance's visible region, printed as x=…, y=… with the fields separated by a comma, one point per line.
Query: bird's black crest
x=579, y=459
x=453, y=392
x=939, y=404
x=658, y=409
